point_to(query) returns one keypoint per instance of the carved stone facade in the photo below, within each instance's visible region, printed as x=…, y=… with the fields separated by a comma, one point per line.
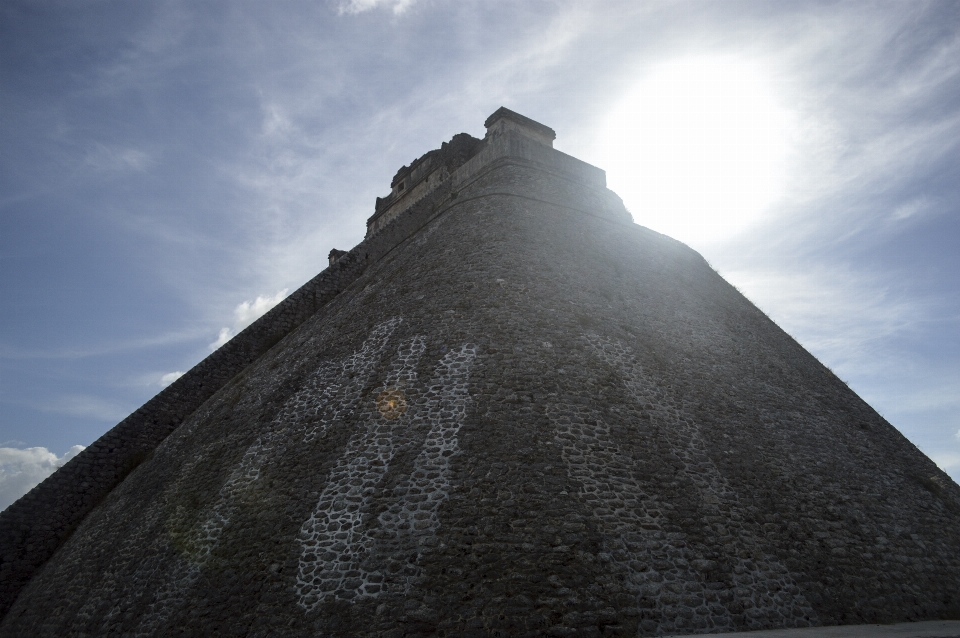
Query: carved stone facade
x=426, y=173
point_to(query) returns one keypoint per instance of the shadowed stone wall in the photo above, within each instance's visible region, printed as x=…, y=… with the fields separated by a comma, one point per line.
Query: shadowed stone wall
x=33, y=527
x=523, y=416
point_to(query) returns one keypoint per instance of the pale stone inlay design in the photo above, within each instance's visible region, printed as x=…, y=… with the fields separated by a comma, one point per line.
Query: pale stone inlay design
x=337, y=541
x=659, y=567
x=334, y=540
x=412, y=520
x=177, y=558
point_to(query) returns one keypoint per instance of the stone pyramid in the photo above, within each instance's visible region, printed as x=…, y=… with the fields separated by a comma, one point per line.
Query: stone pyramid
x=509, y=411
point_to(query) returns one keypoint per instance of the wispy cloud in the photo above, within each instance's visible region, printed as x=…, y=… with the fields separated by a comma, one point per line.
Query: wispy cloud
x=299, y=164
x=934, y=388
x=22, y=469
x=246, y=313
x=911, y=208
x=359, y=6
x=837, y=312
x=108, y=348
x=88, y=407
x=113, y=158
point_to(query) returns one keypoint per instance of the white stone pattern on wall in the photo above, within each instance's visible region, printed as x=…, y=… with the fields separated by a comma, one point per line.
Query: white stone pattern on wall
x=333, y=539
x=177, y=559
x=660, y=567
x=336, y=541
x=412, y=520
x=308, y=413
x=330, y=405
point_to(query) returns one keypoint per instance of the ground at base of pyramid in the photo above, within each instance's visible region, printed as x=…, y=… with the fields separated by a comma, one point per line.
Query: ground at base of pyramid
x=509, y=411
x=924, y=629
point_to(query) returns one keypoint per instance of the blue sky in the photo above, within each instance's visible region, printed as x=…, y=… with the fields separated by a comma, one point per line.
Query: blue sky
x=168, y=170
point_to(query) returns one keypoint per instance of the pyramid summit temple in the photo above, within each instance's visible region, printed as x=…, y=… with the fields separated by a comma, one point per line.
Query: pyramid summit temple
x=508, y=411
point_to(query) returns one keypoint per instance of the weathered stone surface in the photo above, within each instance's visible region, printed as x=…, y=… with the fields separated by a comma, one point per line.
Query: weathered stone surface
x=509, y=412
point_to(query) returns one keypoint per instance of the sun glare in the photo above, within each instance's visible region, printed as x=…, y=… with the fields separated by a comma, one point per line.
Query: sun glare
x=698, y=150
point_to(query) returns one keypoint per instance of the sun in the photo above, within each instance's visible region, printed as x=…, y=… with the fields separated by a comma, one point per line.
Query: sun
x=699, y=148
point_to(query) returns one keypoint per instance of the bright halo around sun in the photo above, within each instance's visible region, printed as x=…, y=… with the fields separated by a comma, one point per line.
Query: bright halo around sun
x=699, y=149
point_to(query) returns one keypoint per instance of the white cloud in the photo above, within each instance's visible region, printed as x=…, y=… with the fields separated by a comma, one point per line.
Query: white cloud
x=249, y=311
x=246, y=313
x=359, y=6
x=957, y=435
x=225, y=335
x=170, y=377
x=21, y=470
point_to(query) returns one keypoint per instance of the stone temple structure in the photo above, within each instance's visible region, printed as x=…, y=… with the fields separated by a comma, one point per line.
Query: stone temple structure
x=508, y=411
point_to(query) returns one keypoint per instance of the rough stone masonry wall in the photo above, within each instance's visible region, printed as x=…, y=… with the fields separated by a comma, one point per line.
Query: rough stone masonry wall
x=32, y=528
x=600, y=437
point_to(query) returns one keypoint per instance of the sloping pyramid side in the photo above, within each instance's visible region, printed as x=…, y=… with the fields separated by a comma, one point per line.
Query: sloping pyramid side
x=529, y=417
